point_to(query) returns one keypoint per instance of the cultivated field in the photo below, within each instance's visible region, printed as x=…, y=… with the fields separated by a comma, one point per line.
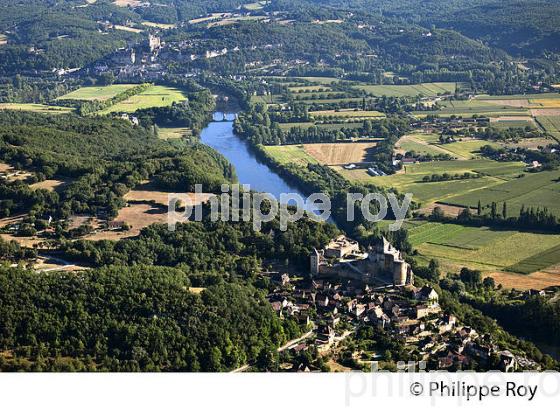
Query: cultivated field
x=154, y=96
x=128, y=28
x=286, y=154
x=163, y=26
x=40, y=108
x=533, y=190
x=425, y=89
x=550, y=124
x=233, y=20
x=320, y=80
x=339, y=153
x=288, y=125
x=410, y=180
x=421, y=144
x=96, y=93
x=173, y=132
x=347, y=114
x=468, y=108
x=308, y=88
x=467, y=149
x=483, y=248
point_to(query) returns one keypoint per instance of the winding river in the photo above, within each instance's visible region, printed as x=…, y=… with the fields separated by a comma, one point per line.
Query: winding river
x=219, y=135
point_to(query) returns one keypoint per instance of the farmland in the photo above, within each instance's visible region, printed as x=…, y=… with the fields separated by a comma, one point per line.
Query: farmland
x=173, y=132
x=550, y=124
x=410, y=179
x=39, y=108
x=346, y=114
x=425, y=89
x=323, y=153
x=162, y=26
x=469, y=108
x=154, y=96
x=421, y=144
x=533, y=190
x=97, y=93
x=336, y=126
x=483, y=248
x=339, y=153
x=285, y=154
x=467, y=149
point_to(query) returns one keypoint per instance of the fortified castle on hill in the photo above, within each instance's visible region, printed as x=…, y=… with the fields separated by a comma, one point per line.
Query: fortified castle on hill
x=382, y=264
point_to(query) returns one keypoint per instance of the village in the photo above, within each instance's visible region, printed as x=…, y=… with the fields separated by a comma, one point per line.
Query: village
x=333, y=305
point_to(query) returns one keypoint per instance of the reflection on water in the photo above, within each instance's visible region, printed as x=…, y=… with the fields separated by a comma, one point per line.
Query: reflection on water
x=219, y=135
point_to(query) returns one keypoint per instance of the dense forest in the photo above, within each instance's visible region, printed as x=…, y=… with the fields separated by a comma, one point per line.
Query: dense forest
x=132, y=319
x=102, y=158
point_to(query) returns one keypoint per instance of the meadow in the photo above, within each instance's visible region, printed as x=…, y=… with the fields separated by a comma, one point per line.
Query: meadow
x=154, y=96
x=425, y=89
x=290, y=154
x=346, y=114
x=484, y=248
x=550, y=124
x=288, y=125
x=468, y=108
x=467, y=149
x=173, y=132
x=426, y=192
x=97, y=93
x=40, y=108
x=532, y=190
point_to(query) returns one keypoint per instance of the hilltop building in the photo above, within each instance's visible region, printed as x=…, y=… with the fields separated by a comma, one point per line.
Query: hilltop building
x=382, y=264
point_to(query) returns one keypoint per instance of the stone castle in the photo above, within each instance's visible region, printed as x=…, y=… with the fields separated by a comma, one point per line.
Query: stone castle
x=381, y=264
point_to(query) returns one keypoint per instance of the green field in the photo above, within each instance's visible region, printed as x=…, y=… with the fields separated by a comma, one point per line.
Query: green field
x=484, y=248
x=266, y=99
x=419, y=148
x=97, y=93
x=468, y=108
x=173, y=132
x=288, y=125
x=512, y=124
x=467, y=149
x=330, y=100
x=426, y=192
x=285, y=154
x=425, y=89
x=536, y=262
x=346, y=114
x=541, y=189
x=550, y=124
x=254, y=6
x=320, y=80
x=154, y=96
x=308, y=89
x=483, y=97
x=40, y=108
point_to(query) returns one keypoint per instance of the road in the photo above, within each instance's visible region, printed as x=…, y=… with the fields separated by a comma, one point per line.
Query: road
x=287, y=345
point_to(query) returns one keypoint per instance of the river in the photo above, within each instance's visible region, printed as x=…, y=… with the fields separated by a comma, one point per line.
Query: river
x=261, y=178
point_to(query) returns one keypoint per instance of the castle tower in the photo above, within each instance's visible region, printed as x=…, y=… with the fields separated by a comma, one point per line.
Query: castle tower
x=315, y=262
x=400, y=273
